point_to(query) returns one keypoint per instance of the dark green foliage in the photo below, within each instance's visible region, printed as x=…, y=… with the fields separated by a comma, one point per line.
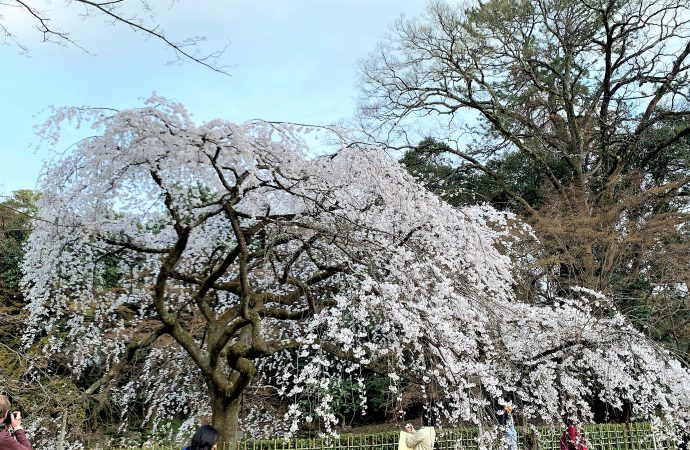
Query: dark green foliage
x=465, y=184
x=15, y=216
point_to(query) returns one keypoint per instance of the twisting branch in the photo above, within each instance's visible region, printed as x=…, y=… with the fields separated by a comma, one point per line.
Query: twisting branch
x=125, y=359
x=112, y=9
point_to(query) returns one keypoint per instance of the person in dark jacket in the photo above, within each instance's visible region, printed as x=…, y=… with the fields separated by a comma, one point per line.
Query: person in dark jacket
x=8, y=441
x=205, y=438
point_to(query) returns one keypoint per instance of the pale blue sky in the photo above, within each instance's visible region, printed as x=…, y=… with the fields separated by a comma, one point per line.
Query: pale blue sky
x=290, y=60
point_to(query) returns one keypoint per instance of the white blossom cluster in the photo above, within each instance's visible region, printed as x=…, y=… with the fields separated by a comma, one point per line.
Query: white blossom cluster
x=349, y=264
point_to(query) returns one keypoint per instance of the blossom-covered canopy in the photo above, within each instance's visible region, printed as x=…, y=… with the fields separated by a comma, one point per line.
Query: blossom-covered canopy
x=225, y=254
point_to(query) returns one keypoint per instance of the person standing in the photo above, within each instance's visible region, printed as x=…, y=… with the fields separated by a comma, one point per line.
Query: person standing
x=572, y=439
x=8, y=441
x=422, y=439
x=508, y=423
x=402, y=441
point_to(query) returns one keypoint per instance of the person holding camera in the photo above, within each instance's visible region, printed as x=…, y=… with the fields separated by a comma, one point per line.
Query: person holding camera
x=422, y=439
x=18, y=441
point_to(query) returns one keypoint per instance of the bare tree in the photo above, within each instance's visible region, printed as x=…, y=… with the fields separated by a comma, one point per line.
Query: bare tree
x=591, y=95
x=138, y=15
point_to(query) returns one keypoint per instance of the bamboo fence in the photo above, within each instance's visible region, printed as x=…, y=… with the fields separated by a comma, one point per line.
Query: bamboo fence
x=631, y=436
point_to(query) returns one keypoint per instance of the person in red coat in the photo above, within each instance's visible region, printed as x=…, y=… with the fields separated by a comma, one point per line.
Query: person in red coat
x=572, y=439
x=18, y=441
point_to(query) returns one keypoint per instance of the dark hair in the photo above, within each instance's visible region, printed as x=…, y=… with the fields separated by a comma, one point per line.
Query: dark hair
x=204, y=438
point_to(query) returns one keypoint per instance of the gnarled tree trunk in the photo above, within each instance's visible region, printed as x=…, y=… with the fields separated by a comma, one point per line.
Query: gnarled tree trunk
x=226, y=414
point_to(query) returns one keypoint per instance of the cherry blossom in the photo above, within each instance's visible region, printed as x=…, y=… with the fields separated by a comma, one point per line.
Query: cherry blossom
x=227, y=254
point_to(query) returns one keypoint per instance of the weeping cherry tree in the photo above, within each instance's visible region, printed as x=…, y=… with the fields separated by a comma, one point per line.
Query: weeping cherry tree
x=208, y=257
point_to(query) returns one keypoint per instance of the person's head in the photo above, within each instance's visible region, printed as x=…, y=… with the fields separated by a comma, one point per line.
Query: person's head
x=508, y=409
x=409, y=428
x=205, y=438
x=5, y=406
